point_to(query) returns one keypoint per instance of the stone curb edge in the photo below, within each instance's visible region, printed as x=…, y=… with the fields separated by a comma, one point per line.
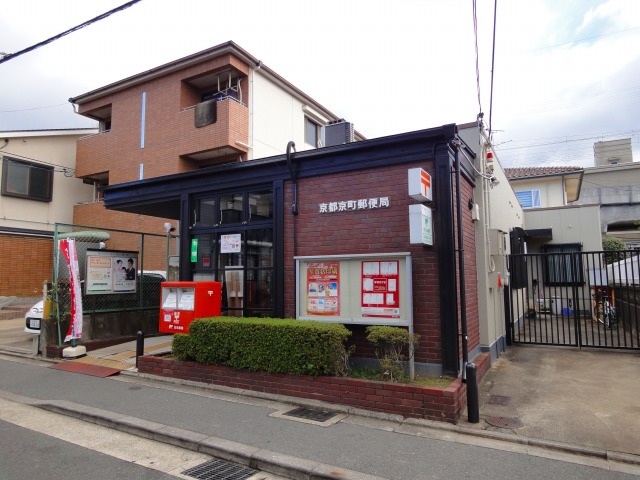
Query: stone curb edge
x=260, y=459
x=580, y=450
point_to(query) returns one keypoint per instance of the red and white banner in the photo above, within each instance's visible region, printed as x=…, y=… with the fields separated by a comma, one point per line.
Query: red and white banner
x=68, y=249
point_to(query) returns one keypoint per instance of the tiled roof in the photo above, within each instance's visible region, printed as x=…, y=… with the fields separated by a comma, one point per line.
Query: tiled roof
x=527, y=172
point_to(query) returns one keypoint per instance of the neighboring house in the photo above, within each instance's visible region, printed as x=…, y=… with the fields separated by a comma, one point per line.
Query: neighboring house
x=543, y=187
x=39, y=189
x=614, y=184
x=217, y=106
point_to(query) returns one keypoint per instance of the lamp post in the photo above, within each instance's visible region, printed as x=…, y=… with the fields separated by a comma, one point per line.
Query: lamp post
x=169, y=229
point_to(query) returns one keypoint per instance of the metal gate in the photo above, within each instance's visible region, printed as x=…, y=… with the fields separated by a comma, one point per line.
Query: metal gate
x=572, y=298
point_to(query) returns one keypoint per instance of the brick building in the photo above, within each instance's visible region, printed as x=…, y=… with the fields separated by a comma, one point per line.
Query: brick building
x=345, y=208
x=216, y=106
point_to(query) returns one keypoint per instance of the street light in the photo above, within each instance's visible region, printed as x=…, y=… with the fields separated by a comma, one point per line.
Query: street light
x=169, y=229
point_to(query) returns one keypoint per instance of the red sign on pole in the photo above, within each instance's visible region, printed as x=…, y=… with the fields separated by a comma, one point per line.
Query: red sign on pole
x=380, y=289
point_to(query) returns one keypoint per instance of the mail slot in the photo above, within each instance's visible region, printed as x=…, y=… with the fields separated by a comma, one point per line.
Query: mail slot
x=183, y=302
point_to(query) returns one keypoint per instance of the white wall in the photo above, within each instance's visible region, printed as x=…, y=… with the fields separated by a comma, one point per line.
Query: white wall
x=551, y=190
x=571, y=224
x=54, y=148
x=499, y=210
x=276, y=117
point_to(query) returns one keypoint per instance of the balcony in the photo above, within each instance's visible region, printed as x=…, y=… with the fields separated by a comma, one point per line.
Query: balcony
x=227, y=136
x=172, y=143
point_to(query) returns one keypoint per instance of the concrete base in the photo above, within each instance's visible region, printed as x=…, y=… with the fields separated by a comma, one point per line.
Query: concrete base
x=74, y=352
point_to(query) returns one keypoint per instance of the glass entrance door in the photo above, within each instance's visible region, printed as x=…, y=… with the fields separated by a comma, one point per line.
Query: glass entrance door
x=234, y=232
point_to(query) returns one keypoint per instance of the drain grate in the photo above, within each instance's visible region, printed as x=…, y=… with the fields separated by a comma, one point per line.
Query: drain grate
x=502, y=400
x=310, y=414
x=220, y=470
x=504, y=422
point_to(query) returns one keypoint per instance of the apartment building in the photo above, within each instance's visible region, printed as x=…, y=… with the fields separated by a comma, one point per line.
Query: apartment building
x=217, y=106
x=39, y=189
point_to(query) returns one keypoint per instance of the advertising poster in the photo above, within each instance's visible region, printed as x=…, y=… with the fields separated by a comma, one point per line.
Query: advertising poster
x=323, y=288
x=380, y=293
x=111, y=272
x=231, y=243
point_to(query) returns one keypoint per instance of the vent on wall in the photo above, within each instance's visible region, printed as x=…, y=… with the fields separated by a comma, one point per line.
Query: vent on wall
x=338, y=132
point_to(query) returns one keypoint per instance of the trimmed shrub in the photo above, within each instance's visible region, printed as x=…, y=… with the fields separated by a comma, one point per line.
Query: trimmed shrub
x=265, y=344
x=391, y=343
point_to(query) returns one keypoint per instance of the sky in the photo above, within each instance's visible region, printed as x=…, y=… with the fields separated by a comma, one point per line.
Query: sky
x=565, y=73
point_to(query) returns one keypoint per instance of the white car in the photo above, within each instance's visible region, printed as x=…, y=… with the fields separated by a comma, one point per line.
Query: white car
x=33, y=318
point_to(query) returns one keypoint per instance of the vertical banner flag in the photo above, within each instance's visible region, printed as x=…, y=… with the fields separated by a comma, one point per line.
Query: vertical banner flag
x=68, y=249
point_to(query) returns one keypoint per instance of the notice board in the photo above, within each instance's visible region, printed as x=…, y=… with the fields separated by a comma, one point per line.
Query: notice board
x=371, y=289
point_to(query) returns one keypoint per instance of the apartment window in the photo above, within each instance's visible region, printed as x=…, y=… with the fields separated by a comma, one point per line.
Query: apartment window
x=529, y=198
x=26, y=180
x=563, y=264
x=311, y=132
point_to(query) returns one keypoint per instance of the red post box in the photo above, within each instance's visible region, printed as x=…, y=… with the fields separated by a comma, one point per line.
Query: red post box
x=183, y=302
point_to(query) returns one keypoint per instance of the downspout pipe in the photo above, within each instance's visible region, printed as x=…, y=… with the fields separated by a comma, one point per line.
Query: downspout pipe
x=469, y=369
x=291, y=149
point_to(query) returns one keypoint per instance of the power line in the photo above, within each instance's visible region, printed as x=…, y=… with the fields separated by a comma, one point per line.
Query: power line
x=493, y=56
x=475, y=33
x=34, y=108
x=8, y=56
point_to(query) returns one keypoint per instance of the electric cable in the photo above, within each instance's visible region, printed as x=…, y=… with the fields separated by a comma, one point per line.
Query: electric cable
x=9, y=56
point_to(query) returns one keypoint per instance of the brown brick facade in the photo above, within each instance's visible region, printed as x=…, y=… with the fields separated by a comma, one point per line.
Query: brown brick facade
x=25, y=263
x=155, y=248
x=384, y=230
x=170, y=132
x=443, y=404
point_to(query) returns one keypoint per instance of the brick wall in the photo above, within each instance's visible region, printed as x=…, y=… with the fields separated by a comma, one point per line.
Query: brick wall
x=155, y=248
x=25, y=263
x=170, y=133
x=383, y=230
x=443, y=404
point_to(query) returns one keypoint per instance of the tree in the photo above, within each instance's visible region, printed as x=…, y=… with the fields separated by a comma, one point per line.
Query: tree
x=614, y=248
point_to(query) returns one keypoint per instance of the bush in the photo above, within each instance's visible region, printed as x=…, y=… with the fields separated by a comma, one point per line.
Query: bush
x=265, y=344
x=613, y=247
x=391, y=343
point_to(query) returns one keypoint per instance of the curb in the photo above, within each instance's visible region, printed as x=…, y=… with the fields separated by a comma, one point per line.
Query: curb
x=331, y=471
x=257, y=458
x=552, y=445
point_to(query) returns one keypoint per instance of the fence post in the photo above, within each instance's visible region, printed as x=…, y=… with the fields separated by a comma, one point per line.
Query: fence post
x=139, y=346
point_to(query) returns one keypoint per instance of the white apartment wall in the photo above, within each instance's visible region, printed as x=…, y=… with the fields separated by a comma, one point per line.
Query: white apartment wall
x=551, y=190
x=499, y=210
x=572, y=224
x=52, y=148
x=276, y=117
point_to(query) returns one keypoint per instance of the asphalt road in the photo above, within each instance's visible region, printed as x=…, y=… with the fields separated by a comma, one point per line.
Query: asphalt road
x=26, y=455
x=376, y=447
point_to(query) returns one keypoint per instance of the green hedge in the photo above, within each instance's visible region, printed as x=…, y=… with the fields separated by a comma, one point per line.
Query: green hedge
x=265, y=344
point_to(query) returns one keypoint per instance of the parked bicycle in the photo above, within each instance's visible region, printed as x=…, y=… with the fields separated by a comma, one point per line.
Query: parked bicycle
x=605, y=312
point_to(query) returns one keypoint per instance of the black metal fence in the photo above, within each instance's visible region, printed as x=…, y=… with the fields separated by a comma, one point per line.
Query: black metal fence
x=572, y=298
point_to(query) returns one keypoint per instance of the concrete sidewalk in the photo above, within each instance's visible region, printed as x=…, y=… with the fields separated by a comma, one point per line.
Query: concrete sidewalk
x=583, y=401
x=546, y=402
x=587, y=398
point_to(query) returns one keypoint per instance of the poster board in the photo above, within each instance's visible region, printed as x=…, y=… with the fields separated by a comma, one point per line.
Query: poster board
x=370, y=289
x=111, y=271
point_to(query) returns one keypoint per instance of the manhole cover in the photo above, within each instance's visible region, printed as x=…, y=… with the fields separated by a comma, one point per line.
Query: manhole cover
x=499, y=400
x=310, y=414
x=220, y=470
x=504, y=422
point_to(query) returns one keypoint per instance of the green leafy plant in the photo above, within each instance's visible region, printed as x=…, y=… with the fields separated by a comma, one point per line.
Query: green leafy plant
x=393, y=347
x=266, y=344
x=614, y=248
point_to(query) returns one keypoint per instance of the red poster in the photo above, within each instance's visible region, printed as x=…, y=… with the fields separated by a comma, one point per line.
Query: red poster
x=380, y=289
x=323, y=288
